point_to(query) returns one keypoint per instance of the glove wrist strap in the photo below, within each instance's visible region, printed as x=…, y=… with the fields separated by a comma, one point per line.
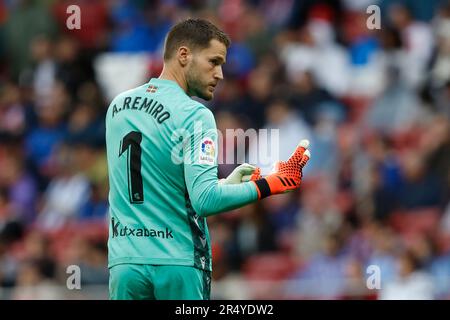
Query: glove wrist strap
x=263, y=188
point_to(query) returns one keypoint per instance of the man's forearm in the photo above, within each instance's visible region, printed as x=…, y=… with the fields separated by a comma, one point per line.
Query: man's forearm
x=216, y=198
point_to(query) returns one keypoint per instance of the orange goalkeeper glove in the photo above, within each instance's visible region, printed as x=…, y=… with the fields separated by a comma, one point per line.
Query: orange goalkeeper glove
x=287, y=176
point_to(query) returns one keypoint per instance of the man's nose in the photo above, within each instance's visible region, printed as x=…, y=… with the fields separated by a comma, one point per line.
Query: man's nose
x=218, y=74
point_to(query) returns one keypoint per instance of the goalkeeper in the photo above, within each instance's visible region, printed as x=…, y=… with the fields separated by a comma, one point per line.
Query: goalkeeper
x=162, y=165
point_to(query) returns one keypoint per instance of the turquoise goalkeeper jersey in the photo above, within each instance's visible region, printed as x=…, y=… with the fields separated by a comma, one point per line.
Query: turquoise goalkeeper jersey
x=162, y=166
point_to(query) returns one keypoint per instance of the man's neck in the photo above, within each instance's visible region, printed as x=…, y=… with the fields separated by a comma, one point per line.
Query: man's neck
x=168, y=74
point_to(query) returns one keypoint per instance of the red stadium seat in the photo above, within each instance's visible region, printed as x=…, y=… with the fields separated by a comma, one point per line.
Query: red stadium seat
x=416, y=221
x=269, y=266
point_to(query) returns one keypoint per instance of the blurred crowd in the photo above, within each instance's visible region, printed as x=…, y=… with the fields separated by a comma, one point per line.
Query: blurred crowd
x=375, y=104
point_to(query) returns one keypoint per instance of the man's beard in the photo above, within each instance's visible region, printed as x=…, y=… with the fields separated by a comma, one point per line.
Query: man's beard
x=195, y=87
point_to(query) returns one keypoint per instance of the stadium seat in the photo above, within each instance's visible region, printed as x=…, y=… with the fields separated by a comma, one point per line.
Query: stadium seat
x=416, y=221
x=269, y=266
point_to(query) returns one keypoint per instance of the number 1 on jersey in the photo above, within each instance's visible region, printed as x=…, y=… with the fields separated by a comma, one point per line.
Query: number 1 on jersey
x=132, y=141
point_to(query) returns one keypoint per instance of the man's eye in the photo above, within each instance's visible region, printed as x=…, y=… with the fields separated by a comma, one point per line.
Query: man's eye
x=214, y=62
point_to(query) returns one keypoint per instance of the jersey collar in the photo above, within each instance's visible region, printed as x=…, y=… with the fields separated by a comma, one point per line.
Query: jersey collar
x=166, y=82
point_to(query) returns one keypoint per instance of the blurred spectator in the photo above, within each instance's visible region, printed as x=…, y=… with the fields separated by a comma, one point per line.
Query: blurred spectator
x=93, y=263
x=440, y=271
x=85, y=125
x=36, y=271
x=276, y=13
x=445, y=226
x=32, y=284
x=36, y=247
x=413, y=282
x=41, y=142
x=418, y=42
x=258, y=36
x=283, y=125
x=419, y=188
x=385, y=249
x=44, y=70
x=228, y=125
x=397, y=109
x=26, y=20
x=326, y=9
x=8, y=264
x=256, y=98
x=313, y=102
x=224, y=258
x=442, y=100
x=317, y=219
x=366, y=69
x=227, y=103
x=324, y=276
x=282, y=214
x=12, y=111
x=435, y=143
x=323, y=113
x=131, y=31
x=96, y=208
x=72, y=69
x=440, y=66
x=356, y=286
x=317, y=52
x=384, y=177
x=66, y=194
x=239, y=60
x=19, y=186
x=254, y=233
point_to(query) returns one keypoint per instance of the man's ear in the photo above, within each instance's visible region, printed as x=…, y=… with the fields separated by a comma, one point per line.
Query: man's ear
x=184, y=55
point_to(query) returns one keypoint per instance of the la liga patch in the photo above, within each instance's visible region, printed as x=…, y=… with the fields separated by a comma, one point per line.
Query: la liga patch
x=207, y=151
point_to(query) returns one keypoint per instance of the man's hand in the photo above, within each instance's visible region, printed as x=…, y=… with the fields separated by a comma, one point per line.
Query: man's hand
x=286, y=176
x=243, y=173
